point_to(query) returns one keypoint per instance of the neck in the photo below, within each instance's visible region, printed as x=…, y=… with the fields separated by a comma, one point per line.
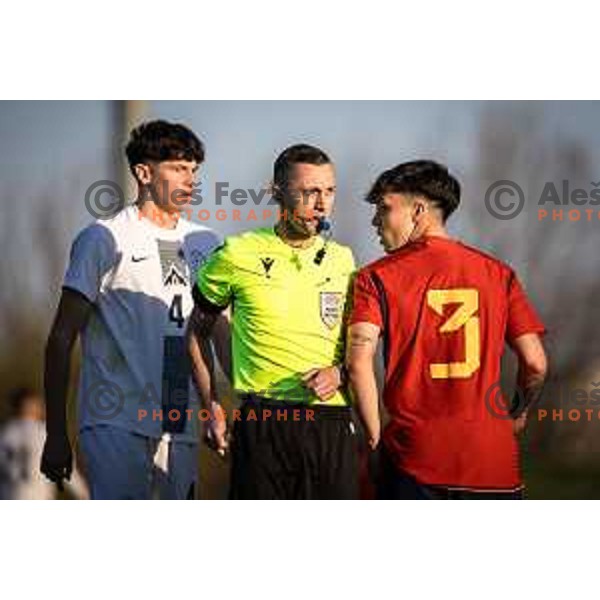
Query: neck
x=292, y=238
x=157, y=215
x=437, y=231
x=429, y=230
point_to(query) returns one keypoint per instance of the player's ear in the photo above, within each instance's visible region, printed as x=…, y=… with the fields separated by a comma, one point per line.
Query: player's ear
x=420, y=208
x=143, y=173
x=275, y=192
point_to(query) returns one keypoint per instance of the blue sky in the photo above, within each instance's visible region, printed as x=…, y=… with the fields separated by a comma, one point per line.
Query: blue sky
x=56, y=149
x=52, y=152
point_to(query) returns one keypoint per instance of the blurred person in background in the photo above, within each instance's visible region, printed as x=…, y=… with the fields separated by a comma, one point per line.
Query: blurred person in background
x=21, y=442
x=444, y=311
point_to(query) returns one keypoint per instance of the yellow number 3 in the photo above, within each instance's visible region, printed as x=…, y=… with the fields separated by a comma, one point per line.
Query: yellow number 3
x=462, y=317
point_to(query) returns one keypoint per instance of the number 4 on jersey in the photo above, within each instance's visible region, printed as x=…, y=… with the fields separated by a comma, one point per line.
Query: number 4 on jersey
x=176, y=311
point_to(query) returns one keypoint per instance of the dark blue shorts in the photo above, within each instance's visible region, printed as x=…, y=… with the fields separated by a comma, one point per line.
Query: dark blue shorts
x=393, y=484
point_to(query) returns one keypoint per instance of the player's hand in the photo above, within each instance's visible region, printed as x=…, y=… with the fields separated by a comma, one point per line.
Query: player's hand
x=215, y=429
x=323, y=382
x=373, y=442
x=57, y=459
x=520, y=423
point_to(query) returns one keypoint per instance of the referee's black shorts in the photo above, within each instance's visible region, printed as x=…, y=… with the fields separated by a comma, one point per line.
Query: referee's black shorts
x=292, y=451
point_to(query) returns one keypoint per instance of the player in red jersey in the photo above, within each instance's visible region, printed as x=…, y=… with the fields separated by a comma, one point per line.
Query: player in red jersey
x=444, y=311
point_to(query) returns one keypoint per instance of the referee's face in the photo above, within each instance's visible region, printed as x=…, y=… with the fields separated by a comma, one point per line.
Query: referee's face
x=311, y=193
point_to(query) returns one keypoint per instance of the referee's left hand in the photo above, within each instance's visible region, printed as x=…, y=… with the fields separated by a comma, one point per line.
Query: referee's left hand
x=323, y=382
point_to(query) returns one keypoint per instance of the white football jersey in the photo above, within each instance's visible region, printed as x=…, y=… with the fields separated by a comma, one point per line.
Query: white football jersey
x=135, y=371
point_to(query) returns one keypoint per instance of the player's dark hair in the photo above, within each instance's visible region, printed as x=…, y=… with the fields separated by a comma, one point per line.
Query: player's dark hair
x=18, y=397
x=156, y=141
x=419, y=178
x=294, y=155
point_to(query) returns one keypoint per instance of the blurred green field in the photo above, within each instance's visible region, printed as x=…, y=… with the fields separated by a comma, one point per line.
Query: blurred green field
x=549, y=481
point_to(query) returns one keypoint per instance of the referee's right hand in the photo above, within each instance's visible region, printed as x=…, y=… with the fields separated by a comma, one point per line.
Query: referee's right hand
x=57, y=459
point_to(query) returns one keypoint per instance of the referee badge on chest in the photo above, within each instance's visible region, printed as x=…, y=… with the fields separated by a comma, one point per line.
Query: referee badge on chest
x=331, y=305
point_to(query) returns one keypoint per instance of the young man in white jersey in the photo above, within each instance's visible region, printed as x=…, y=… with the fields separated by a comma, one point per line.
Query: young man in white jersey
x=127, y=291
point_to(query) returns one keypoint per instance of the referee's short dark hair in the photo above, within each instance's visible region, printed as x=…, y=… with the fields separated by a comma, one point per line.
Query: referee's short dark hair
x=155, y=141
x=425, y=178
x=294, y=155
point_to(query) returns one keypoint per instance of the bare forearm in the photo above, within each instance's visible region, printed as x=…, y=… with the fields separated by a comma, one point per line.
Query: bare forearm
x=222, y=344
x=202, y=369
x=199, y=335
x=363, y=385
x=361, y=348
x=533, y=366
x=530, y=385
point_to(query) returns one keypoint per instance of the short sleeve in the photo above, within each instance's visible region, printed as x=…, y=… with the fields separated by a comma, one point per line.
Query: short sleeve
x=209, y=241
x=366, y=301
x=93, y=255
x=201, y=243
x=350, y=270
x=350, y=263
x=215, y=242
x=522, y=317
x=215, y=277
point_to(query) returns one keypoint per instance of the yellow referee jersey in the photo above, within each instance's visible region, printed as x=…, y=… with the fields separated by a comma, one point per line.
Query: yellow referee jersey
x=287, y=310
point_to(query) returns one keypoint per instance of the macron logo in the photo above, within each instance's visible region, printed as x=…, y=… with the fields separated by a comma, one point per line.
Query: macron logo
x=267, y=264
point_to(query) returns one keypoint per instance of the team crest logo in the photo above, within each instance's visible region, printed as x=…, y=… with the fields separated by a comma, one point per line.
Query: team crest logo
x=172, y=263
x=330, y=304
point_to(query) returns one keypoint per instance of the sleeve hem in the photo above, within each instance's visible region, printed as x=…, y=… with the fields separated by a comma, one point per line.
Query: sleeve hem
x=540, y=330
x=206, y=304
x=359, y=319
x=80, y=292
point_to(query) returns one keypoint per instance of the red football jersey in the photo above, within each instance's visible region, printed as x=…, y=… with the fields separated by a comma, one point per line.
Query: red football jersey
x=445, y=311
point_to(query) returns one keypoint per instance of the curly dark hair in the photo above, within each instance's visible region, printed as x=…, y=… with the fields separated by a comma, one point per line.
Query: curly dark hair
x=156, y=141
x=425, y=178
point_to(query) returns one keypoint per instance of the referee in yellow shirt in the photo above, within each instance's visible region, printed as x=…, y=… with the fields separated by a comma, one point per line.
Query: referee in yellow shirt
x=287, y=285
